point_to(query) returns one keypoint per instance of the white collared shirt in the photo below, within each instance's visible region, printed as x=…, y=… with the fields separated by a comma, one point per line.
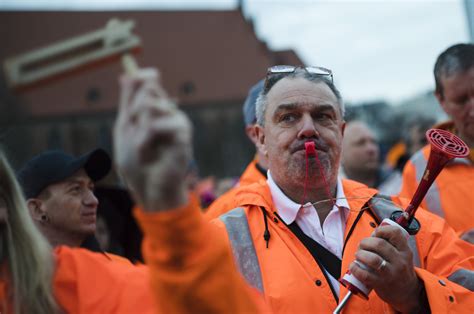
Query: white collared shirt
x=331, y=235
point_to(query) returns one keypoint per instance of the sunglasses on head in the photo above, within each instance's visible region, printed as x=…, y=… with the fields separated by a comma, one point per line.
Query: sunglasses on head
x=277, y=72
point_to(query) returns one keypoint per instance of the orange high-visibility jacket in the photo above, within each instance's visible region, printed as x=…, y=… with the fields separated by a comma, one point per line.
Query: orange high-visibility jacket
x=190, y=270
x=292, y=281
x=451, y=196
x=249, y=176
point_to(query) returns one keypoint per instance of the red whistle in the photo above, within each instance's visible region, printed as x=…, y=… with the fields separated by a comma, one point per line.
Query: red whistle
x=310, y=148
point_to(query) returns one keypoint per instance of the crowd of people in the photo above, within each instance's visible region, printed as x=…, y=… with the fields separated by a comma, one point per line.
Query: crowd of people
x=306, y=210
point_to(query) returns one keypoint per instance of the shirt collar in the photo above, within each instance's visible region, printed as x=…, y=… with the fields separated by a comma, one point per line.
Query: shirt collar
x=288, y=209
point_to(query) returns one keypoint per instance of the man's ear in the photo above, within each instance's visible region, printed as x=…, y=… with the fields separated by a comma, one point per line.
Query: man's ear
x=251, y=133
x=36, y=209
x=259, y=132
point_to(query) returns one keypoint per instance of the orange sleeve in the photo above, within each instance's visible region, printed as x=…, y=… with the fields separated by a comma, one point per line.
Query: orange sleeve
x=448, y=266
x=93, y=283
x=191, y=265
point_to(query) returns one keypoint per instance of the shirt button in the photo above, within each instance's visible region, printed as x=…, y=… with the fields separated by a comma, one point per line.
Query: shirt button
x=441, y=282
x=451, y=298
x=372, y=224
x=318, y=282
x=275, y=219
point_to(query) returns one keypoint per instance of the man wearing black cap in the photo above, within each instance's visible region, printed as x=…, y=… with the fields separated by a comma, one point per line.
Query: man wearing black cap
x=59, y=189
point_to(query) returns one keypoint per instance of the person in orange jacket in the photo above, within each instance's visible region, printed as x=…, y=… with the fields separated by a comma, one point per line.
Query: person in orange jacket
x=293, y=235
x=189, y=264
x=451, y=194
x=256, y=170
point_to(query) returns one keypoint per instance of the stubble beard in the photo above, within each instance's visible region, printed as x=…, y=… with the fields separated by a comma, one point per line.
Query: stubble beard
x=311, y=175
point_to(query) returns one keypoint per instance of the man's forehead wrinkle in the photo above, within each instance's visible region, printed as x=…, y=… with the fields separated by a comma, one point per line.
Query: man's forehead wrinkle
x=302, y=91
x=303, y=98
x=457, y=78
x=298, y=92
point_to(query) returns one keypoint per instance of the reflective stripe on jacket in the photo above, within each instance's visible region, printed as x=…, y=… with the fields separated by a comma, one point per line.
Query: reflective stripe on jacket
x=451, y=196
x=293, y=282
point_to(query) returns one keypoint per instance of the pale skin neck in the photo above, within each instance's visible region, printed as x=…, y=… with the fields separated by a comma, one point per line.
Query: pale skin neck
x=58, y=237
x=262, y=160
x=368, y=178
x=313, y=195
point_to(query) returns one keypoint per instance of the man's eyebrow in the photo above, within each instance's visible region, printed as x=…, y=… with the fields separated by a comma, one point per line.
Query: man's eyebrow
x=326, y=108
x=286, y=107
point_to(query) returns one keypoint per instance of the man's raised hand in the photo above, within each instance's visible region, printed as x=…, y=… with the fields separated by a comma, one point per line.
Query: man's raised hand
x=152, y=142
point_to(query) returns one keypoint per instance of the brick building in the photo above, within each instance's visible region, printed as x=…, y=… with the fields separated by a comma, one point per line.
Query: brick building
x=208, y=61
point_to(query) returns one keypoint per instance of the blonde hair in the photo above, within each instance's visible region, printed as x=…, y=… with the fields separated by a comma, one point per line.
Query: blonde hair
x=28, y=256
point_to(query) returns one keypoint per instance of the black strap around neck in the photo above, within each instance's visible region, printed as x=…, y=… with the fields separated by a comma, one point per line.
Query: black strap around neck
x=331, y=263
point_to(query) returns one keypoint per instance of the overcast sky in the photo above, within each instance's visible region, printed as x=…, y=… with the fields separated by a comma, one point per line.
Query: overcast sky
x=379, y=49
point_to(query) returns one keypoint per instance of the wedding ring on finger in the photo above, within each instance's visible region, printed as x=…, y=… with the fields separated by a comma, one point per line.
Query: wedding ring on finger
x=382, y=265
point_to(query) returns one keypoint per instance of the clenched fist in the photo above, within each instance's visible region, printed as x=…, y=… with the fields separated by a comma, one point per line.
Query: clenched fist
x=152, y=142
x=389, y=269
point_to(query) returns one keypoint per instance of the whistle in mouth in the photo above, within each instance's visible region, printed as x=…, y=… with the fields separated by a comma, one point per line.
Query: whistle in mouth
x=310, y=148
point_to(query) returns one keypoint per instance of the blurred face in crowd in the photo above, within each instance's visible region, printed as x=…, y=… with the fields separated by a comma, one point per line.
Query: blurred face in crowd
x=360, y=151
x=457, y=100
x=299, y=111
x=70, y=205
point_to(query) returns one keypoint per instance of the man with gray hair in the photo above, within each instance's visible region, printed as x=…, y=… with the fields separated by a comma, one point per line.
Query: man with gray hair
x=295, y=233
x=451, y=194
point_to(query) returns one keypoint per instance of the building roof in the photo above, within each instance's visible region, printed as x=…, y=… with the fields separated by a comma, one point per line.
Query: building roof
x=205, y=57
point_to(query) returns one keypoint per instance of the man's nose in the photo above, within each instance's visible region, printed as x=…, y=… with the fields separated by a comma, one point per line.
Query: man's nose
x=308, y=128
x=372, y=148
x=90, y=199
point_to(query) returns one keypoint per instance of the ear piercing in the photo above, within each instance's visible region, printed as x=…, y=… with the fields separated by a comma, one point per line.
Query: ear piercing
x=44, y=218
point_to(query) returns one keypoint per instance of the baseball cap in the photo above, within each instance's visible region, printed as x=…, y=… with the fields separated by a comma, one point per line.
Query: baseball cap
x=250, y=102
x=55, y=165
